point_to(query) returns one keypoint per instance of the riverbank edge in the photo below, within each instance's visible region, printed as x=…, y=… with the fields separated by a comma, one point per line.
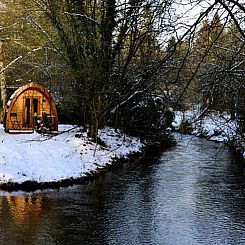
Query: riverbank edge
x=149, y=151
x=213, y=127
x=237, y=154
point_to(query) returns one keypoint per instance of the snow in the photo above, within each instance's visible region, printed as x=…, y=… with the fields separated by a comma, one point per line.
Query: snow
x=35, y=157
x=214, y=126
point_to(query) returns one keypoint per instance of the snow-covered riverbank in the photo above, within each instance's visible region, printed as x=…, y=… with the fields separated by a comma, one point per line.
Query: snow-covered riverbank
x=215, y=127
x=71, y=155
x=33, y=157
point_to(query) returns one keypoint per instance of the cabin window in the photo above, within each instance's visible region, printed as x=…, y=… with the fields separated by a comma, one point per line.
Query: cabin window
x=28, y=112
x=35, y=106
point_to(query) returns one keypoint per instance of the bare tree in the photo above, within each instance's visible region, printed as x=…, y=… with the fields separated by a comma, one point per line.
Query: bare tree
x=3, y=85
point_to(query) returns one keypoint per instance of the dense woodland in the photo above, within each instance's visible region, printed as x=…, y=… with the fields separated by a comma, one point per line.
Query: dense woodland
x=126, y=63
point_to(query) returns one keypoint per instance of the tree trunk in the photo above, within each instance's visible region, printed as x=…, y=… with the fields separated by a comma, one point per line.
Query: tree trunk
x=95, y=120
x=2, y=86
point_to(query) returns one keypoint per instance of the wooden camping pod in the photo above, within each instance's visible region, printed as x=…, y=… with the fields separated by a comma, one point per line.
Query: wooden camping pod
x=30, y=107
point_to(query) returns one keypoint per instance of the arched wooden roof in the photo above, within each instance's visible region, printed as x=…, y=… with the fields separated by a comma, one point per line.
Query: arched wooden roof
x=29, y=86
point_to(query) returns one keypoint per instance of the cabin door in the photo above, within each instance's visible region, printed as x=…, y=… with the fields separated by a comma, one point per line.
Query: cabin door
x=31, y=111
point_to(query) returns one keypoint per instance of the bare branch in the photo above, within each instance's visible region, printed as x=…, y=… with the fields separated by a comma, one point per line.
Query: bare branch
x=82, y=16
x=233, y=16
x=2, y=69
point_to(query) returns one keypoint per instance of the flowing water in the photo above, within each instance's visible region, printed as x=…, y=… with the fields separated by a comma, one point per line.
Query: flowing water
x=193, y=194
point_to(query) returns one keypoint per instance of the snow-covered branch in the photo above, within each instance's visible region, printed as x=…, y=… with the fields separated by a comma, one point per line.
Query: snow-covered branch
x=125, y=101
x=44, y=32
x=82, y=16
x=238, y=65
x=2, y=69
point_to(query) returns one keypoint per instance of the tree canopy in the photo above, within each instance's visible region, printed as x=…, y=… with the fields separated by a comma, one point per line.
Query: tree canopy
x=99, y=57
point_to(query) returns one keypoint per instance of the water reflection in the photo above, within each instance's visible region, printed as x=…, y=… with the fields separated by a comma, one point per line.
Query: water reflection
x=28, y=211
x=22, y=218
x=193, y=195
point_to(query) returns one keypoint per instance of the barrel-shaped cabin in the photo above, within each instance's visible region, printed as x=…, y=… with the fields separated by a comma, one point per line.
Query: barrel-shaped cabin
x=31, y=107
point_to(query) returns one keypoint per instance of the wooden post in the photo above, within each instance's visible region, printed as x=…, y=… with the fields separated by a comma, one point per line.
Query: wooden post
x=2, y=85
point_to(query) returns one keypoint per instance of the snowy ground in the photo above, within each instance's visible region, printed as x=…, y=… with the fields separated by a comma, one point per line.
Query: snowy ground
x=215, y=127
x=33, y=157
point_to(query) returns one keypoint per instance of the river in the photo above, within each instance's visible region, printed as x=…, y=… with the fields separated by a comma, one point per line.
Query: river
x=193, y=194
